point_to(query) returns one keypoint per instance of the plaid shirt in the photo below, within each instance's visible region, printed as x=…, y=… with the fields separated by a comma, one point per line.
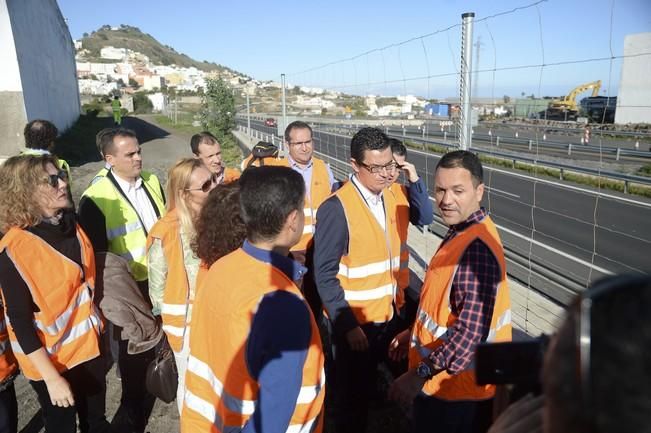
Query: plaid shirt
x=472, y=298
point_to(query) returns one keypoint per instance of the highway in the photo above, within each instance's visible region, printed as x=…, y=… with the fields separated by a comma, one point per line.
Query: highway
x=575, y=232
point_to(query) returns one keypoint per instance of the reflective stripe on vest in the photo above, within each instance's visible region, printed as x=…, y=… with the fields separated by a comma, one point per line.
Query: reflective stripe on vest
x=124, y=231
x=176, y=308
x=368, y=271
x=67, y=323
x=434, y=317
x=220, y=395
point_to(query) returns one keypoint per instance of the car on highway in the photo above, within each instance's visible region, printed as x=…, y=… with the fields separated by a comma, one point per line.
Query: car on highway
x=270, y=122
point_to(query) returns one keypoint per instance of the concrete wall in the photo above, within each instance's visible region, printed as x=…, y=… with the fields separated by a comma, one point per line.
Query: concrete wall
x=43, y=53
x=12, y=105
x=634, y=97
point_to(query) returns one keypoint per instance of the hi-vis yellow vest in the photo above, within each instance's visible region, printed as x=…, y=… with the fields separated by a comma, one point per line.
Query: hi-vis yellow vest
x=125, y=233
x=67, y=323
x=176, y=308
x=220, y=394
x=368, y=273
x=62, y=164
x=435, y=317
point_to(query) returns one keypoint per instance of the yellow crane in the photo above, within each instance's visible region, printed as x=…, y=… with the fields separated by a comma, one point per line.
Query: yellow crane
x=567, y=108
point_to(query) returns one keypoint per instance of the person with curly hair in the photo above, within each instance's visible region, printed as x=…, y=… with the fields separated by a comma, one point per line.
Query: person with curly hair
x=220, y=229
x=47, y=276
x=171, y=263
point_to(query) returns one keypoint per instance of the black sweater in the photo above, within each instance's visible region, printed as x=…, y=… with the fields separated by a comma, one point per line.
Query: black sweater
x=20, y=305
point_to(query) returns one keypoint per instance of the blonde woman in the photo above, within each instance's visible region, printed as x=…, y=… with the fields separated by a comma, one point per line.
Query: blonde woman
x=47, y=275
x=173, y=267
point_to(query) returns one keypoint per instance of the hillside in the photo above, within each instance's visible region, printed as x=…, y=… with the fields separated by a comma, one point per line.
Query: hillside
x=132, y=38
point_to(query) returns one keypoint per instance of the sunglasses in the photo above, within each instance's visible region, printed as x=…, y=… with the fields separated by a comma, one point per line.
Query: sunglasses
x=205, y=187
x=53, y=179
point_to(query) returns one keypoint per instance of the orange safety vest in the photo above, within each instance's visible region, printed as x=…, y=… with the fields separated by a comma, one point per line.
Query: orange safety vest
x=220, y=394
x=402, y=218
x=177, y=306
x=8, y=364
x=68, y=323
x=231, y=174
x=368, y=272
x=435, y=317
x=319, y=191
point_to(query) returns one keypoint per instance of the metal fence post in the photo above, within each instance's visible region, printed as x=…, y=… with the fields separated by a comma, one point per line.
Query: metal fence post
x=465, y=138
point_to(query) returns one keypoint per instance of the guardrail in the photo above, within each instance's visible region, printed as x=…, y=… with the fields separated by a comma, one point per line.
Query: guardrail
x=563, y=168
x=497, y=139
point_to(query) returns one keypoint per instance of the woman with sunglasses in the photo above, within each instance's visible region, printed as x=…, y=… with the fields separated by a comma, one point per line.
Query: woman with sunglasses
x=47, y=275
x=173, y=267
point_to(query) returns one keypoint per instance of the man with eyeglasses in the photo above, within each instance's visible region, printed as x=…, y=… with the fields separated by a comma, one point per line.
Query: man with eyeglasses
x=205, y=147
x=316, y=174
x=464, y=301
x=356, y=265
x=117, y=211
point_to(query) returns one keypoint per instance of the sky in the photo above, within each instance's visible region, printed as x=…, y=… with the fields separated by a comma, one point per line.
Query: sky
x=265, y=39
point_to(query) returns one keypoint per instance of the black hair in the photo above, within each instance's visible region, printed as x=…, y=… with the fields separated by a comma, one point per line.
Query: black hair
x=40, y=134
x=201, y=137
x=103, y=139
x=367, y=139
x=268, y=194
x=463, y=159
x=397, y=148
x=108, y=138
x=297, y=124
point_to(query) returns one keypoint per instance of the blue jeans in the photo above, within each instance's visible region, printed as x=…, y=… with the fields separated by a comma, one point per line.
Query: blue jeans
x=432, y=415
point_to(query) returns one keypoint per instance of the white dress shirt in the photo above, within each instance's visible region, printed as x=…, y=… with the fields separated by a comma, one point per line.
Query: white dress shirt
x=374, y=202
x=138, y=198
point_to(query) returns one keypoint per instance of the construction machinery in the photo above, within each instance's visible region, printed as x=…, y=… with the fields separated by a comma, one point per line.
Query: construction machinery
x=567, y=108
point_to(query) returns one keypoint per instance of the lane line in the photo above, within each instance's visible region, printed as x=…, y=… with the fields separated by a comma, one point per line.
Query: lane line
x=499, y=191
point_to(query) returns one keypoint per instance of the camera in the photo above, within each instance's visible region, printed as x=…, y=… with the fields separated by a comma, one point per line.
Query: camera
x=517, y=363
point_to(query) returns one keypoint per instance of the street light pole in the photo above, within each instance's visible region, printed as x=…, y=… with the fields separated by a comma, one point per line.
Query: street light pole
x=248, y=115
x=465, y=128
x=282, y=83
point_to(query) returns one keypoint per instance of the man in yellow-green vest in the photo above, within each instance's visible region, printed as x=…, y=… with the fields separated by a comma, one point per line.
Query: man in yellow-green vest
x=117, y=110
x=117, y=211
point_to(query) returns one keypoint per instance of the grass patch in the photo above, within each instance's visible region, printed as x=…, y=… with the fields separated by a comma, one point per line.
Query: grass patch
x=231, y=152
x=77, y=144
x=582, y=179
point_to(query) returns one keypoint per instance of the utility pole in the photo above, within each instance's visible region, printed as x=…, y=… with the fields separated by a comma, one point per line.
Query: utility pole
x=248, y=114
x=282, y=83
x=465, y=127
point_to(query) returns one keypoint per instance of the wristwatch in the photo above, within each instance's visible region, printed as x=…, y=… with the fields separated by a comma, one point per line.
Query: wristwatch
x=424, y=371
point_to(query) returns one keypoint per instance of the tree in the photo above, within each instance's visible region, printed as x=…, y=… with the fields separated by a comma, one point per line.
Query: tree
x=141, y=103
x=506, y=99
x=133, y=83
x=218, y=110
x=85, y=35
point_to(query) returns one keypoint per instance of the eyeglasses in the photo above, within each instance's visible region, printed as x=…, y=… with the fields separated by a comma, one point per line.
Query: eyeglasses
x=301, y=143
x=378, y=168
x=205, y=187
x=53, y=179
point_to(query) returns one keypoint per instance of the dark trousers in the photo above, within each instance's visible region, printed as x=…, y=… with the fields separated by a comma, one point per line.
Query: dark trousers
x=356, y=375
x=441, y=416
x=8, y=410
x=88, y=383
x=136, y=402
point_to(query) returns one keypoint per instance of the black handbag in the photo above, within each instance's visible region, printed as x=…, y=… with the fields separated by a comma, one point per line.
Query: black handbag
x=162, y=377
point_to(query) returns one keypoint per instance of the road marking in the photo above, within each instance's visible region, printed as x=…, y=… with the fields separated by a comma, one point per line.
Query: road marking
x=499, y=191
